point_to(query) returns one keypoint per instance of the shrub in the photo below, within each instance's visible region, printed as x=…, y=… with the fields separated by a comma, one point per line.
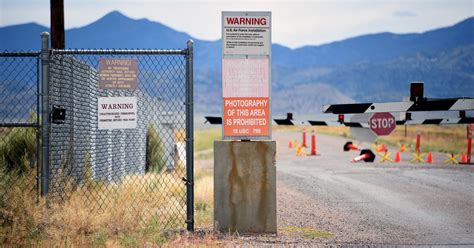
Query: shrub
x=18, y=150
x=155, y=159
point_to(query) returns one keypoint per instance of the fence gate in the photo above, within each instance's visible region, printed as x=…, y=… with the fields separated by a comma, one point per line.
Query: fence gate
x=117, y=130
x=19, y=126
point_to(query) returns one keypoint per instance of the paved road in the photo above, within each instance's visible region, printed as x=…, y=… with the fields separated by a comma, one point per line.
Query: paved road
x=374, y=203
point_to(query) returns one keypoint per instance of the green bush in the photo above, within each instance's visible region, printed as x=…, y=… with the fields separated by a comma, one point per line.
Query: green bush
x=155, y=159
x=18, y=150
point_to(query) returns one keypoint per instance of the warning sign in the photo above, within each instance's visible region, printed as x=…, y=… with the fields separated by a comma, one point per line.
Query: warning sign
x=246, y=116
x=118, y=73
x=246, y=75
x=117, y=112
x=246, y=33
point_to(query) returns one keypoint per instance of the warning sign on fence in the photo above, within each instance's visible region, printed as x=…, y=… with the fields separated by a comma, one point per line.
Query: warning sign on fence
x=118, y=73
x=117, y=112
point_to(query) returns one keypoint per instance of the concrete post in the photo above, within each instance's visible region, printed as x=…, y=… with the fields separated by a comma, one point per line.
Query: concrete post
x=245, y=186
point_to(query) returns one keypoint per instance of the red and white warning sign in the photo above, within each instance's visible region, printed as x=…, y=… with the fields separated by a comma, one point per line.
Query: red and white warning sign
x=246, y=74
x=246, y=116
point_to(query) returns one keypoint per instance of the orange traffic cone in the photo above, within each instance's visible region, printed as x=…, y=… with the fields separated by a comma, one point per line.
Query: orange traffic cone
x=397, y=157
x=429, y=160
x=290, y=144
x=382, y=148
x=313, y=143
x=463, y=158
x=403, y=148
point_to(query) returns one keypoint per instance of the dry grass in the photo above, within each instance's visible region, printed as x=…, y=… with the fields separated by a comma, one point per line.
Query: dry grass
x=143, y=210
x=140, y=209
x=204, y=138
x=448, y=138
x=204, y=202
x=137, y=211
x=335, y=131
x=179, y=135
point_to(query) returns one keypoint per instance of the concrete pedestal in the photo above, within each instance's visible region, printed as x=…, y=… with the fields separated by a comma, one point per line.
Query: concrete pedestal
x=245, y=186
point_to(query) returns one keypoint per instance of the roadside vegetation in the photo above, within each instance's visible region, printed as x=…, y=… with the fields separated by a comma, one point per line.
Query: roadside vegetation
x=130, y=218
x=142, y=210
x=434, y=138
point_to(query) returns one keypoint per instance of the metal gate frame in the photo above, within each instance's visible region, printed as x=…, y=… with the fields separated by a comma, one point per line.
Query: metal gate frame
x=45, y=126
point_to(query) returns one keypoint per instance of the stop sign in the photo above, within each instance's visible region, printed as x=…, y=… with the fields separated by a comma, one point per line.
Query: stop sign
x=382, y=124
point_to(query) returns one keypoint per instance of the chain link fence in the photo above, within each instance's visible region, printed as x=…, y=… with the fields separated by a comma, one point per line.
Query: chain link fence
x=146, y=169
x=19, y=127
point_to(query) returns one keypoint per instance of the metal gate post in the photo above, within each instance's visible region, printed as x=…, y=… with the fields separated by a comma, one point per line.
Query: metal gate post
x=45, y=59
x=189, y=138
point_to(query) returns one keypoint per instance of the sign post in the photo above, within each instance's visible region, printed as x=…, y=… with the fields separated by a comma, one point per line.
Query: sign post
x=382, y=124
x=246, y=75
x=244, y=162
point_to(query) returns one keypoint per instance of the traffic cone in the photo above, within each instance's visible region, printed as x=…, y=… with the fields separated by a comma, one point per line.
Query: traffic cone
x=382, y=148
x=290, y=144
x=429, y=159
x=349, y=146
x=397, y=157
x=418, y=142
x=463, y=158
x=366, y=155
x=403, y=148
x=313, y=143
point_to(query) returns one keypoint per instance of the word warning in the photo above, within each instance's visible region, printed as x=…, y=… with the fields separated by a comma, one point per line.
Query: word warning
x=246, y=116
x=118, y=74
x=117, y=112
x=245, y=34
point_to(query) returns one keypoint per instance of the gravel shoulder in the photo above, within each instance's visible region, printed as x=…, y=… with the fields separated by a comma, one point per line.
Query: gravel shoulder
x=375, y=203
x=367, y=203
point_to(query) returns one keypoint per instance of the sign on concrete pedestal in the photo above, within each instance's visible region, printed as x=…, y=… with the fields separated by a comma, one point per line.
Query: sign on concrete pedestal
x=246, y=75
x=382, y=124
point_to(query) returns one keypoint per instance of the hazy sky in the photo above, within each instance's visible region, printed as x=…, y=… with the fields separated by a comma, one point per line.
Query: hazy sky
x=295, y=23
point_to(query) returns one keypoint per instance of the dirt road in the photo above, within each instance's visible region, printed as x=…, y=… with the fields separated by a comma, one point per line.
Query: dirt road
x=376, y=203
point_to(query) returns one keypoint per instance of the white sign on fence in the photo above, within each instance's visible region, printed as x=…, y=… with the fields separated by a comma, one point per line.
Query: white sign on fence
x=246, y=33
x=117, y=112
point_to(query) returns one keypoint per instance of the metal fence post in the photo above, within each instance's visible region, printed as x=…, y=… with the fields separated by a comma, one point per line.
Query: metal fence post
x=45, y=59
x=189, y=138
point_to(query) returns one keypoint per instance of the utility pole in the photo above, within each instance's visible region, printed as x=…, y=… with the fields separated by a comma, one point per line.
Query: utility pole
x=57, y=24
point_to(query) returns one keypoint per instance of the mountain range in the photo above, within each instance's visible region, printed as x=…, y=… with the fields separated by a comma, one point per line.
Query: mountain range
x=375, y=67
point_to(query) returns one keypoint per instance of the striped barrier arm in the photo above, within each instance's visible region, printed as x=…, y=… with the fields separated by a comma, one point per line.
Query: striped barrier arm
x=428, y=105
x=214, y=120
x=438, y=121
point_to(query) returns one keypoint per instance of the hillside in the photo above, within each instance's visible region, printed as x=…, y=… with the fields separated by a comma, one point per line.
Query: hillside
x=374, y=67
